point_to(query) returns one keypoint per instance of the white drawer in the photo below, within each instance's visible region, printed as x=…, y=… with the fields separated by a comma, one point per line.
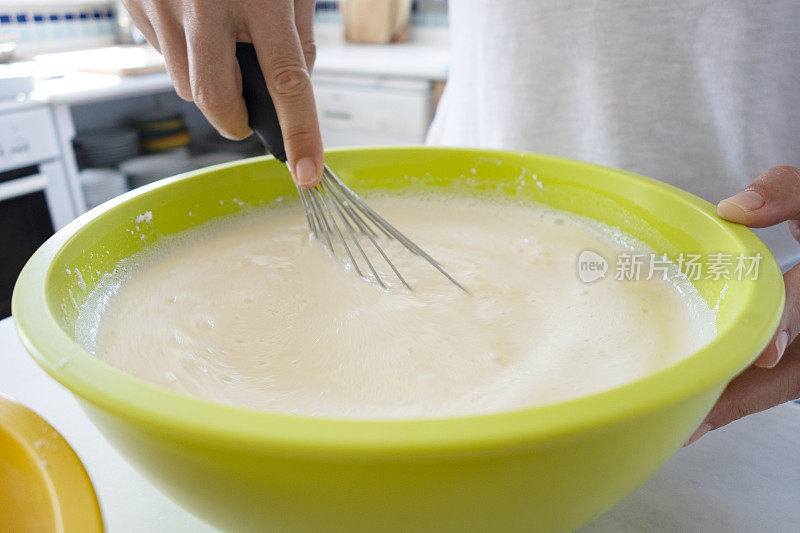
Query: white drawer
x=374, y=109
x=26, y=138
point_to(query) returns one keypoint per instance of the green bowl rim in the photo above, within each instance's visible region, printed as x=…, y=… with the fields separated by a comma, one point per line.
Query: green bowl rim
x=192, y=418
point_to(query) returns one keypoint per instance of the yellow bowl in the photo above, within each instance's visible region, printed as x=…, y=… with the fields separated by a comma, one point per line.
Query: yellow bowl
x=549, y=468
x=43, y=485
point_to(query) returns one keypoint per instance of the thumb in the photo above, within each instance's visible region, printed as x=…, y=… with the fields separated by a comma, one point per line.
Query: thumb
x=774, y=197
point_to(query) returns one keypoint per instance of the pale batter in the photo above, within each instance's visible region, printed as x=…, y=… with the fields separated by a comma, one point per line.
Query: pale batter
x=249, y=311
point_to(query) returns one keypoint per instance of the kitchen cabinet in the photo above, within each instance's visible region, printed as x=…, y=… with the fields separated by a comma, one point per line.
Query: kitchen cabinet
x=357, y=111
x=366, y=95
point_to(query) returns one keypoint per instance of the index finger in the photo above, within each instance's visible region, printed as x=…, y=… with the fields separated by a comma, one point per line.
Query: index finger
x=280, y=55
x=754, y=390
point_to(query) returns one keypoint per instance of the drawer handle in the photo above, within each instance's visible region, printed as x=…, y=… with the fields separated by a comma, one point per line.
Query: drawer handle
x=22, y=186
x=338, y=115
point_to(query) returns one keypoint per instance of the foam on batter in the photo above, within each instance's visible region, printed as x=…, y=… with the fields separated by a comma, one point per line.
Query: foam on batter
x=247, y=310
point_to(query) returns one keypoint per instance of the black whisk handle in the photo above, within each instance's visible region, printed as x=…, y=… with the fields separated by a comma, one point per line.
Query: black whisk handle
x=260, y=110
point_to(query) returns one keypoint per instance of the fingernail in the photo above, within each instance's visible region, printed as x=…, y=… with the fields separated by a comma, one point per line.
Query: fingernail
x=704, y=428
x=794, y=227
x=780, y=346
x=769, y=359
x=236, y=136
x=746, y=201
x=305, y=172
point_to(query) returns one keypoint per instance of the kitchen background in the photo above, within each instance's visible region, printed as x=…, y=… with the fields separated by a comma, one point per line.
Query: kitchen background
x=88, y=112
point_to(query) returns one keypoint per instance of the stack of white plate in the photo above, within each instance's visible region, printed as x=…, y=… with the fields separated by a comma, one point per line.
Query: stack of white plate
x=109, y=147
x=101, y=184
x=149, y=168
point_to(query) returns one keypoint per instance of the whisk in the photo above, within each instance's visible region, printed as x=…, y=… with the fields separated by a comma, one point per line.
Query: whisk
x=335, y=214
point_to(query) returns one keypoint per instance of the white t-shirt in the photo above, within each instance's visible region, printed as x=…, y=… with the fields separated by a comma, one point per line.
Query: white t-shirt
x=702, y=94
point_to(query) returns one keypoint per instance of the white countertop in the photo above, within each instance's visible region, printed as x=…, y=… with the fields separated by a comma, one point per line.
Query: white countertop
x=742, y=478
x=405, y=60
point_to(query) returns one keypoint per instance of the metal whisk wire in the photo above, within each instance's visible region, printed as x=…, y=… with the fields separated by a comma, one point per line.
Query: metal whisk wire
x=332, y=207
x=330, y=199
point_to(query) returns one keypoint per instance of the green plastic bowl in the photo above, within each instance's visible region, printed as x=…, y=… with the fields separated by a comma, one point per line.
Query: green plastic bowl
x=547, y=468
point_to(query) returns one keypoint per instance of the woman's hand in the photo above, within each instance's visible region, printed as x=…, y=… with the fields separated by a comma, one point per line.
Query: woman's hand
x=774, y=197
x=198, y=40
